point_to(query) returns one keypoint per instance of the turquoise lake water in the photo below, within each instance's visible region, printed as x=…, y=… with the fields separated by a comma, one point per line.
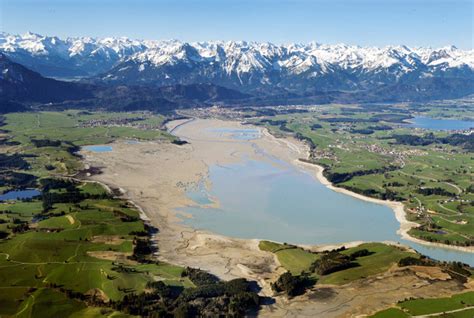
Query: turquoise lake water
x=440, y=124
x=98, y=148
x=284, y=204
x=277, y=201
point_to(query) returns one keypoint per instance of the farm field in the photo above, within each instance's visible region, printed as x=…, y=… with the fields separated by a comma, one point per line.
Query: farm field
x=76, y=250
x=456, y=306
x=92, y=239
x=64, y=131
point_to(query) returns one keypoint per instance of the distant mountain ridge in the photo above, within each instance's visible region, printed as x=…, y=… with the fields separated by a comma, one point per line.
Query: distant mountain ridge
x=71, y=57
x=21, y=88
x=17, y=83
x=244, y=65
x=302, y=71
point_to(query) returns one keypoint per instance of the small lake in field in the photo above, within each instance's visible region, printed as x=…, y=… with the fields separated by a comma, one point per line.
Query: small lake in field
x=19, y=194
x=440, y=124
x=98, y=148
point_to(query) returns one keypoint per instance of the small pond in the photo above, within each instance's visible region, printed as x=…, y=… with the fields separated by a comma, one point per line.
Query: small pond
x=19, y=194
x=98, y=148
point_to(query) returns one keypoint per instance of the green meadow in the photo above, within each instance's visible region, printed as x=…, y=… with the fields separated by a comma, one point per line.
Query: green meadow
x=298, y=260
x=73, y=128
x=84, y=246
x=456, y=306
x=62, y=251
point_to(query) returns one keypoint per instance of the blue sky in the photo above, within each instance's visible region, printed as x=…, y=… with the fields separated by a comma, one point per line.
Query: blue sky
x=365, y=22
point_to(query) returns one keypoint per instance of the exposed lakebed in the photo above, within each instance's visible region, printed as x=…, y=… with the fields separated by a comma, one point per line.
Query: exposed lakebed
x=278, y=201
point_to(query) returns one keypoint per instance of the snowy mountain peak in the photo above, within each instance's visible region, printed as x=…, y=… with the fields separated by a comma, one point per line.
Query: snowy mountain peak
x=233, y=63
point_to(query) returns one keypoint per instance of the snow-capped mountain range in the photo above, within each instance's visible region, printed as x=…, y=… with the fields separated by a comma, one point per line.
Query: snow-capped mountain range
x=247, y=66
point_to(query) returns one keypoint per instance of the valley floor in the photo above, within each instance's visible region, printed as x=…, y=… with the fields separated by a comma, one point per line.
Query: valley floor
x=156, y=175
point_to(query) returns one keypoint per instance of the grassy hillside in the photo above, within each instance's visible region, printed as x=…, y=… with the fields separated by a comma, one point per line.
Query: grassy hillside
x=298, y=260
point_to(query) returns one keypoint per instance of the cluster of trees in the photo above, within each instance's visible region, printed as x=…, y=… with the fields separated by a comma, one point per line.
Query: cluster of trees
x=280, y=123
x=391, y=195
x=435, y=191
x=362, y=131
x=387, y=195
x=149, y=230
x=71, y=193
x=339, y=177
x=421, y=261
x=458, y=270
x=50, y=198
x=210, y=298
x=72, y=148
x=19, y=228
x=52, y=183
x=335, y=261
x=360, y=253
x=9, y=175
x=5, y=141
x=414, y=140
x=179, y=142
x=142, y=250
x=292, y=285
x=199, y=277
x=394, y=184
x=45, y=143
x=470, y=188
x=443, y=240
x=18, y=180
x=460, y=140
x=14, y=161
x=332, y=262
x=347, y=120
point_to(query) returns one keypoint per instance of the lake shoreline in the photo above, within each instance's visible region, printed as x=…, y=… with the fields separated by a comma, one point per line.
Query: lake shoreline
x=162, y=193
x=154, y=177
x=398, y=208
